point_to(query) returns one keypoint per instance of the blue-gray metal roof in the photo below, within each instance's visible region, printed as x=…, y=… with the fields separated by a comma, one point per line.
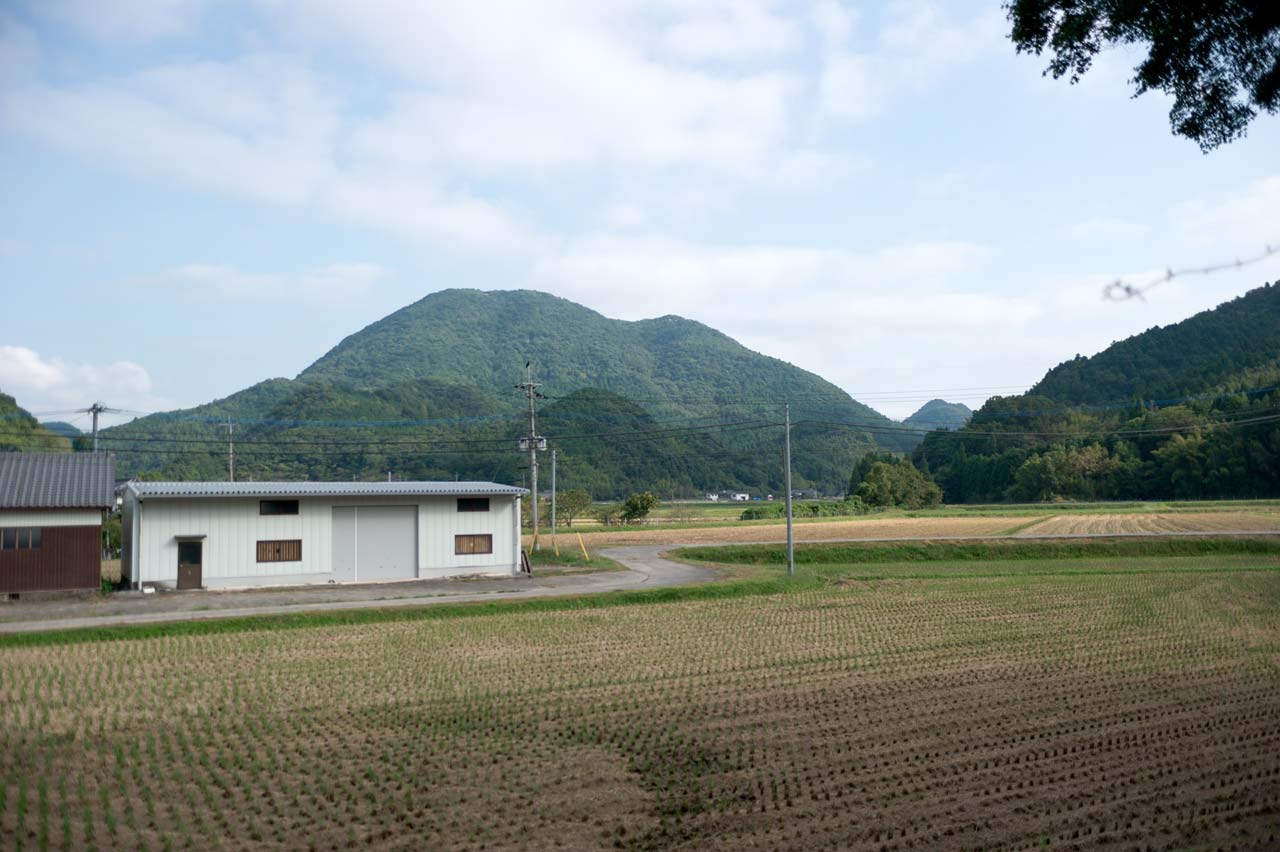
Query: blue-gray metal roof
x=57, y=481
x=172, y=490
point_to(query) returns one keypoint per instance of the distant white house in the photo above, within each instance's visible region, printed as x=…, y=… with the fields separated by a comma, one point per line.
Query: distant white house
x=714, y=498
x=741, y=497
x=238, y=534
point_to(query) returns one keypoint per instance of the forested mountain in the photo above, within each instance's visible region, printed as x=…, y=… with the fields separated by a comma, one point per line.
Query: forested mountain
x=940, y=414
x=1190, y=410
x=1199, y=354
x=22, y=432
x=665, y=404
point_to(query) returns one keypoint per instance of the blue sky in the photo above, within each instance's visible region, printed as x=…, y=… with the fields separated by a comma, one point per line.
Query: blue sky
x=201, y=195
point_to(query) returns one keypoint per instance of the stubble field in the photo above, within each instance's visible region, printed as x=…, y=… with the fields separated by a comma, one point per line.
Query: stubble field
x=945, y=526
x=1129, y=704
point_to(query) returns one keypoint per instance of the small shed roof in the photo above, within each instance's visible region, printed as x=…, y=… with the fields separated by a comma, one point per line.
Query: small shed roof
x=57, y=480
x=176, y=490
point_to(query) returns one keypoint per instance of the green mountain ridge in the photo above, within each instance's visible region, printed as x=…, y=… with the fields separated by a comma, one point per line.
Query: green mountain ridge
x=1188, y=411
x=21, y=432
x=939, y=414
x=428, y=392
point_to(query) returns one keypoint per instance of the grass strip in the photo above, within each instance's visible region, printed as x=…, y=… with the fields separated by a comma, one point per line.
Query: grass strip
x=988, y=550
x=349, y=617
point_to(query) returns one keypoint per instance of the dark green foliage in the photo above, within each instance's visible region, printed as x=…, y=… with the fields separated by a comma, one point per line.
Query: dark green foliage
x=1219, y=61
x=1185, y=385
x=863, y=467
x=1204, y=352
x=21, y=432
x=898, y=484
x=940, y=414
x=637, y=506
x=813, y=509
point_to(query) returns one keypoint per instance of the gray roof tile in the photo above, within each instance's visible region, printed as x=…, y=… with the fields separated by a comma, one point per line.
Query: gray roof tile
x=162, y=490
x=57, y=480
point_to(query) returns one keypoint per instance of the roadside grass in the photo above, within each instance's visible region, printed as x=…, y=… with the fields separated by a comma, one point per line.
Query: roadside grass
x=570, y=561
x=750, y=570
x=996, y=549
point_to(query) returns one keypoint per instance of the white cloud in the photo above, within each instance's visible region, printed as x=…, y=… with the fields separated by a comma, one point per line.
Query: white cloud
x=850, y=87
x=335, y=284
x=1108, y=229
x=41, y=383
x=1231, y=227
x=621, y=214
x=733, y=30
x=127, y=20
x=807, y=290
x=915, y=48
x=19, y=51
x=834, y=22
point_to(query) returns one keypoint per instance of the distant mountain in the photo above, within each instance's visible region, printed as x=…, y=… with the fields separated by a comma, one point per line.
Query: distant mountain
x=22, y=432
x=940, y=414
x=429, y=392
x=59, y=427
x=1188, y=410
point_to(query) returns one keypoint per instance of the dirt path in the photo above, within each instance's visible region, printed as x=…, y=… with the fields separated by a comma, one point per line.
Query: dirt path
x=645, y=569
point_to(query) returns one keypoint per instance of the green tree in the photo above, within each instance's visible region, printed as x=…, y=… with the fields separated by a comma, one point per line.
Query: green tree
x=1219, y=61
x=898, y=484
x=637, y=506
x=571, y=503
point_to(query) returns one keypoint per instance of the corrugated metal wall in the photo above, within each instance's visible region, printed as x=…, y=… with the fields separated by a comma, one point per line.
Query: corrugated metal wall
x=68, y=558
x=233, y=527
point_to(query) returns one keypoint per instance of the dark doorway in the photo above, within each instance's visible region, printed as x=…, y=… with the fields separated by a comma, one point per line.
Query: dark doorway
x=190, y=574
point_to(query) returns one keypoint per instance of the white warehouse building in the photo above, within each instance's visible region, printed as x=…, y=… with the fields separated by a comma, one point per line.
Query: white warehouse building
x=191, y=535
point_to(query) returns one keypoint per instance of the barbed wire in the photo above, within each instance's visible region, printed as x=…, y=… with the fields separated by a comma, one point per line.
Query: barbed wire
x=1120, y=290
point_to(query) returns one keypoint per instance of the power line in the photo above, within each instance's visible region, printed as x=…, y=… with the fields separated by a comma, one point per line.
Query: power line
x=1119, y=290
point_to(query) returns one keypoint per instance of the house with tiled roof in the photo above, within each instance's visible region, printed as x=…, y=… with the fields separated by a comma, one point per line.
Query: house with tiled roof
x=51, y=507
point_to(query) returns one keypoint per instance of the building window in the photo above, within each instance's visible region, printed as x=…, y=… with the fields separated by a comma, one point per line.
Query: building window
x=277, y=507
x=289, y=550
x=473, y=504
x=21, y=538
x=469, y=544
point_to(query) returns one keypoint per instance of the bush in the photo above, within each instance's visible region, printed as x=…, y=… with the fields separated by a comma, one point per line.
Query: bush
x=638, y=506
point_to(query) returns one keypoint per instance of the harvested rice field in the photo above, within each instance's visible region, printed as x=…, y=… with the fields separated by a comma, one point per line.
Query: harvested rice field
x=1134, y=708
x=962, y=526
x=1156, y=522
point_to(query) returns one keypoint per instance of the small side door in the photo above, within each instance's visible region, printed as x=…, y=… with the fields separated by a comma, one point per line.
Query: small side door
x=190, y=564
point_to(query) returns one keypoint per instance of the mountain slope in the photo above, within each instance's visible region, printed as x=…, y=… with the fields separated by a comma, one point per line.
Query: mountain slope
x=1188, y=411
x=429, y=392
x=940, y=414
x=22, y=432
x=1168, y=362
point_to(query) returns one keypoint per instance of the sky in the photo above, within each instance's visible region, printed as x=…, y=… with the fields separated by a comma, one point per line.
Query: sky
x=201, y=195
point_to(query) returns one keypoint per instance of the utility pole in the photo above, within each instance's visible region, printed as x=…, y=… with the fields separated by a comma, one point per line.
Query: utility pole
x=786, y=452
x=231, y=450
x=553, y=501
x=533, y=443
x=96, y=409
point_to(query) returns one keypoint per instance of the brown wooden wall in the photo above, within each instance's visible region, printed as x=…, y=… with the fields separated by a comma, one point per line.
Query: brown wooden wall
x=68, y=558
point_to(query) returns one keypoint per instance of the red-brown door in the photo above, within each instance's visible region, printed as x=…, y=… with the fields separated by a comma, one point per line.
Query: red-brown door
x=190, y=559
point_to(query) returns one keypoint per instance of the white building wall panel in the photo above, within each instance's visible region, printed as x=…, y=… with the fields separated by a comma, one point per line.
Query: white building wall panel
x=50, y=518
x=233, y=527
x=439, y=521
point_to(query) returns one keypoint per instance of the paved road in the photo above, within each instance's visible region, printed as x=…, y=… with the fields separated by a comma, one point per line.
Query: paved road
x=645, y=569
